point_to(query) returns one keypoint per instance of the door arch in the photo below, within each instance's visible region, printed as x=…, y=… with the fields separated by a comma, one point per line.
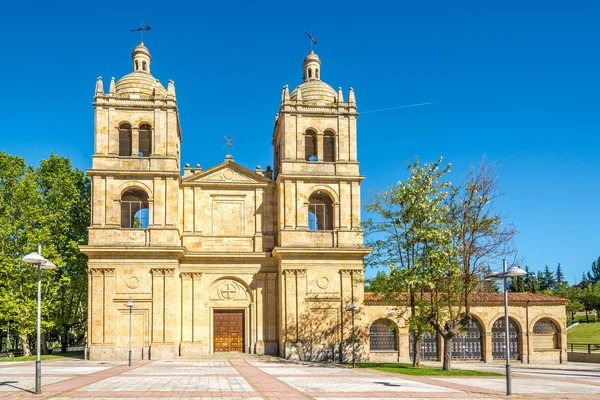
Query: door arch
x=467, y=345
x=499, y=339
x=429, y=346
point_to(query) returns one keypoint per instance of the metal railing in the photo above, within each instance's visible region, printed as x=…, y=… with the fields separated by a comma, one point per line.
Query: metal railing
x=584, y=347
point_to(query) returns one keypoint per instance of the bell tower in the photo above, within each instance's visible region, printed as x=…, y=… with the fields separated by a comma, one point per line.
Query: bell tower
x=314, y=143
x=319, y=244
x=135, y=167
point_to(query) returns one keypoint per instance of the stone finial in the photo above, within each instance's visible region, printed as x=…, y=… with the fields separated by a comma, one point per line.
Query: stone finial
x=351, y=99
x=286, y=94
x=299, y=95
x=99, y=86
x=340, y=98
x=171, y=88
x=112, y=90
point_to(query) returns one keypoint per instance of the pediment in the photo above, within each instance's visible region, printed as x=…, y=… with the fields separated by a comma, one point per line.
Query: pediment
x=227, y=173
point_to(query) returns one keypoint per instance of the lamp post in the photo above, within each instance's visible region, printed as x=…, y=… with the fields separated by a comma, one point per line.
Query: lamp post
x=130, y=305
x=42, y=263
x=506, y=273
x=353, y=309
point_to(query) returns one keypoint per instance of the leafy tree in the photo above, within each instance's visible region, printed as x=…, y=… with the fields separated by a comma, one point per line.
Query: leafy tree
x=480, y=239
x=573, y=293
x=66, y=197
x=48, y=205
x=379, y=283
x=594, y=275
x=590, y=297
x=405, y=236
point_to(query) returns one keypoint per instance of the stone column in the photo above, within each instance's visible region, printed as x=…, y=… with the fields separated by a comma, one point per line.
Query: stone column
x=260, y=306
x=135, y=141
x=158, y=292
x=487, y=346
x=110, y=315
x=259, y=213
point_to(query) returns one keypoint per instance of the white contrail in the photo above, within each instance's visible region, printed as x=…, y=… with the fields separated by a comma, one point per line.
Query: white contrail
x=394, y=108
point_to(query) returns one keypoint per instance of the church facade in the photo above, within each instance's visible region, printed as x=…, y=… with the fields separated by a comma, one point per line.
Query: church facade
x=228, y=259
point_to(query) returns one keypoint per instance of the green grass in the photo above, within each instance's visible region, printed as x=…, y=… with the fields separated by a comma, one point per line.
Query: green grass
x=72, y=354
x=584, y=333
x=408, y=369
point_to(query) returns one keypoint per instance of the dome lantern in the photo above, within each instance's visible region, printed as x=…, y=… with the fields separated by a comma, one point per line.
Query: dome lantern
x=141, y=58
x=311, y=67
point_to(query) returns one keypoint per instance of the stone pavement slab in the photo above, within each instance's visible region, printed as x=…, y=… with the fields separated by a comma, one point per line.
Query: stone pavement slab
x=526, y=386
x=169, y=384
x=360, y=384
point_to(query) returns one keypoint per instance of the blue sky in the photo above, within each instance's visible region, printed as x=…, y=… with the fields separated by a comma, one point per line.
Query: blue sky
x=516, y=82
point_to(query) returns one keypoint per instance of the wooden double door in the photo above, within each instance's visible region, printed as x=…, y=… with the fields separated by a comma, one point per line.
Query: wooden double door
x=228, y=331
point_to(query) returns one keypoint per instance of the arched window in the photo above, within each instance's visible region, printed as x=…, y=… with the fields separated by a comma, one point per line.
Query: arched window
x=317, y=73
x=144, y=65
x=137, y=66
x=545, y=335
x=329, y=146
x=383, y=336
x=320, y=212
x=134, y=209
x=125, y=140
x=310, y=145
x=310, y=72
x=145, y=145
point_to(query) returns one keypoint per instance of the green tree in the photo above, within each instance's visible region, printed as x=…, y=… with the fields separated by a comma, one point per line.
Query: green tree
x=404, y=233
x=560, y=277
x=573, y=294
x=48, y=205
x=481, y=238
x=590, y=297
x=594, y=275
x=549, y=282
x=378, y=284
x=517, y=284
x=66, y=198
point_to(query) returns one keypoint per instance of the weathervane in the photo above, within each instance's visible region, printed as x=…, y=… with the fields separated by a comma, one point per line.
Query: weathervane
x=229, y=142
x=141, y=30
x=312, y=39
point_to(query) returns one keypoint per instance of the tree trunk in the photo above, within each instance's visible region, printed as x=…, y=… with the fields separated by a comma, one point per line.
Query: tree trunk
x=447, y=352
x=25, y=345
x=64, y=340
x=43, y=344
x=417, y=351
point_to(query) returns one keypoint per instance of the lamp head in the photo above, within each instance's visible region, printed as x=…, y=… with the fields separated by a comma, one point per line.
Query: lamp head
x=493, y=277
x=48, y=265
x=34, y=258
x=129, y=303
x=515, y=271
x=353, y=308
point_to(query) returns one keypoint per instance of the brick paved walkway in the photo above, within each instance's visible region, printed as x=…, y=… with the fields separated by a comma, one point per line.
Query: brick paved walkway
x=247, y=377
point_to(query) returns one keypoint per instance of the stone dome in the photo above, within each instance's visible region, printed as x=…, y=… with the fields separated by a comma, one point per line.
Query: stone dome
x=141, y=83
x=315, y=92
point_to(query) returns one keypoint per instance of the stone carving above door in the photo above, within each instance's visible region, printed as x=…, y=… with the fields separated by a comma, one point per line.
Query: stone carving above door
x=228, y=289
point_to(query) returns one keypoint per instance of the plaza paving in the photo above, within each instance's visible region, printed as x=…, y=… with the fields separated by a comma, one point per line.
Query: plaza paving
x=272, y=378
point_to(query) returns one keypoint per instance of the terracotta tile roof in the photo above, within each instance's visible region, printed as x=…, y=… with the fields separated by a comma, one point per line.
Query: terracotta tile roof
x=476, y=298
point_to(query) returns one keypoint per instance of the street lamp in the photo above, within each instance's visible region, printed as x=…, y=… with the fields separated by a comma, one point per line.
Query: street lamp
x=511, y=272
x=353, y=309
x=130, y=305
x=42, y=263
